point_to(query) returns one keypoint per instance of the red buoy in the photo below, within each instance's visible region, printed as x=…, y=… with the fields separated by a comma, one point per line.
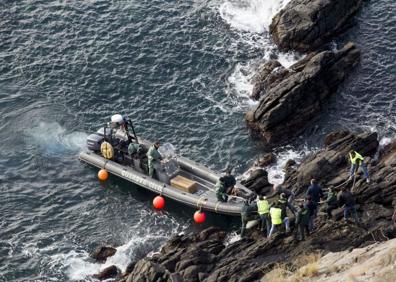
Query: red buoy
x=159, y=202
x=103, y=175
x=199, y=217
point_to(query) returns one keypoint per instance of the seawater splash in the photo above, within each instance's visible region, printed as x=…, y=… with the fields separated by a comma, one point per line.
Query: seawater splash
x=54, y=139
x=252, y=19
x=252, y=16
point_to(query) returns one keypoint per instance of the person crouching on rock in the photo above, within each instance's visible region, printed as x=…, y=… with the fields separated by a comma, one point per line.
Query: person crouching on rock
x=302, y=222
x=357, y=161
x=346, y=200
x=276, y=219
x=263, y=208
x=248, y=212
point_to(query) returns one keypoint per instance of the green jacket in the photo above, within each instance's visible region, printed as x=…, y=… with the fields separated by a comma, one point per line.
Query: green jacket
x=303, y=216
x=331, y=199
x=153, y=155
x=220, y=187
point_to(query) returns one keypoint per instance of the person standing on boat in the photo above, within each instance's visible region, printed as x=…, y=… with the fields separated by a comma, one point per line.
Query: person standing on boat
x=221, y=191
x=229, y=181
x=225, y=185
x=154, y=157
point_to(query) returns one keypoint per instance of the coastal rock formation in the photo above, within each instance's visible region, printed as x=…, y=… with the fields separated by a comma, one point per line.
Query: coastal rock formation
x=209, y=256
x=293, y=100
x=109, y=272
x=372, y=263
x=102, y=253
x=304, y=25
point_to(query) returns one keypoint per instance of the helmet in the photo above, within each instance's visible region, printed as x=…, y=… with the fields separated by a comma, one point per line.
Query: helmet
x=117, y=118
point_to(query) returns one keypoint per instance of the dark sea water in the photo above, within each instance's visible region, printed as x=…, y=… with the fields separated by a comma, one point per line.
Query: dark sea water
x=181, y=70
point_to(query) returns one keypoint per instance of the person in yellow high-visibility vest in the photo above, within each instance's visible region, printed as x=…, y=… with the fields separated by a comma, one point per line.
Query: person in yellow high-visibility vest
x=357, y=161
x=276, y=219
x=263, y=209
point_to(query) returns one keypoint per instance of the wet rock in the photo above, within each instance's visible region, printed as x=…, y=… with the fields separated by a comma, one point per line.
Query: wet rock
x=146, y=270
x=305, y=25
x=108, y=272
x=332, y=162
x=102, y=253
x=289, y=105
x=266, y=160
x=258, y=182
x=268, y=75
x=204, y=256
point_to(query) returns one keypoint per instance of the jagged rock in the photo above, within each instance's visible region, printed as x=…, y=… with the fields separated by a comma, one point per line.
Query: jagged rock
x=102, y=253
x=332, y=162
x=204, y=257
x=289, y=105
x=266, y=160
x=109, y=272
x=304, y=25
x=146, y=270
x=268, y=75
x=258, y=182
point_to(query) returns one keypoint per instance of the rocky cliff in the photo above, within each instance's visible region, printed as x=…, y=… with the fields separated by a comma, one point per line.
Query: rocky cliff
x=305, y=25
x=207, y=256
x=291, y=98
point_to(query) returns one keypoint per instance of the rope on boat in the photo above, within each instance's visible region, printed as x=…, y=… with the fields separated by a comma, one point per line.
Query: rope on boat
x=217, y=206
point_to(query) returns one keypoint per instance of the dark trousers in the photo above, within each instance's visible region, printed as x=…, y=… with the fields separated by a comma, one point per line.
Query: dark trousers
x=265, y=221
x=302, y=229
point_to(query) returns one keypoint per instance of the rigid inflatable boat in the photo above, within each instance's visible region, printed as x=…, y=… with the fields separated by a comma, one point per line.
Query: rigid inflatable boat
x=176, y=177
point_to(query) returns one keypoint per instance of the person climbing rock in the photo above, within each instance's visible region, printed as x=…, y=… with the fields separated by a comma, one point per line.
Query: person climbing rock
x=154, y=157
x=284, y=204
x=248, y=212
x=263, y=208
x=357, y=161
x=276, y=219
x=302, y=222
x=346, y=199
x=315, y=191
x=331, y=203
x=221, y=191
x=312, y=207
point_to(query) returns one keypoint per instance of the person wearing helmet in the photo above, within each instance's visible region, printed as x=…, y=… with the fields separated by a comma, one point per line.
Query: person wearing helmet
x=154, y=158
